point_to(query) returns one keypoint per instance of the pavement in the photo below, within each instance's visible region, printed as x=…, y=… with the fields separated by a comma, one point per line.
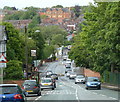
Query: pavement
x=112, y=87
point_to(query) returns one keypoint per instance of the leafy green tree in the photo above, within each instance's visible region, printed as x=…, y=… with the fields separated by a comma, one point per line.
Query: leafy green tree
x=58, y=40
x=15, y=45
x=48, y=50
x=35, y=21
x=13, y=70
x=57, y=6
x=97, y=45
x=39, y=41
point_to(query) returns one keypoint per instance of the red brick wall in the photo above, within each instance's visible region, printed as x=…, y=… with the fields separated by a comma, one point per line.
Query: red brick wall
x=90, y=73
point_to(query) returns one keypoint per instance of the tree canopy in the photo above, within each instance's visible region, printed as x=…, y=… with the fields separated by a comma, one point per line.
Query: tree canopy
x=97, y=46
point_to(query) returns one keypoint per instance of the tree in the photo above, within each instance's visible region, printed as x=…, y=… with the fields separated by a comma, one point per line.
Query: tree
x=15, y=45
x=58, y=40
x=97, y=45
x=57, y=6
x=13, y=70
x=39, y=41
x=35, y=21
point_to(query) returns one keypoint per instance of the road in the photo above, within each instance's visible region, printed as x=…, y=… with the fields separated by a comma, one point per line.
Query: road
x=68, y=90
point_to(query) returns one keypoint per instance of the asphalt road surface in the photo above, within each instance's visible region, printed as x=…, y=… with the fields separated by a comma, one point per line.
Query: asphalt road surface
x=67, y=89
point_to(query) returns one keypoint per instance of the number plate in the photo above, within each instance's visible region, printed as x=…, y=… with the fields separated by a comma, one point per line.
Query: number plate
x=30, y=91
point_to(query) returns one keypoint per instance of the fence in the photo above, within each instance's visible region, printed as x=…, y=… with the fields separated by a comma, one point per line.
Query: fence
x=112, y=78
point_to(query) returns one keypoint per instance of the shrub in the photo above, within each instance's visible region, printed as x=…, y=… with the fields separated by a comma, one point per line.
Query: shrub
x=13, y=70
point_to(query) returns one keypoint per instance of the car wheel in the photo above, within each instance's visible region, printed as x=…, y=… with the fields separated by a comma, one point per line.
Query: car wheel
x=83, y=82
x=52, y=88
x=99, y=88
x=41, y=89
x=39, y=94
x=75, y=82
x=86, y=88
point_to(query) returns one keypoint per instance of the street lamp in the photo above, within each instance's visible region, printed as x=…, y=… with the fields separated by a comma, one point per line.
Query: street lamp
x=37, y=31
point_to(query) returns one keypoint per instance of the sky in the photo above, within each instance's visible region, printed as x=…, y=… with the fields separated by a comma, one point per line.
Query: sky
x=20, y=4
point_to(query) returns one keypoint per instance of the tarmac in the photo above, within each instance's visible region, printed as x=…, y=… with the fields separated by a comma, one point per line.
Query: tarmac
x=105, y=85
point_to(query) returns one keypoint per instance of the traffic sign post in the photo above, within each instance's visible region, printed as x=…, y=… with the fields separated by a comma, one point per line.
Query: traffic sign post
x=3, y=59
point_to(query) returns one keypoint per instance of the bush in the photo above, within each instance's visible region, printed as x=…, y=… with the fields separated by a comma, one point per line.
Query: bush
x=13, y=70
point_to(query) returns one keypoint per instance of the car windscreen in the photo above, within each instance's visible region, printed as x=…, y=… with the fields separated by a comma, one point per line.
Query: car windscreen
x=80, y=77
x=9, y=90
x=92, y=79
x=46, y=81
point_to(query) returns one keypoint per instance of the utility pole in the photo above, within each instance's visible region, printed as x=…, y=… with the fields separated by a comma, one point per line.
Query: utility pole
x=26, y=52
x=3, y=40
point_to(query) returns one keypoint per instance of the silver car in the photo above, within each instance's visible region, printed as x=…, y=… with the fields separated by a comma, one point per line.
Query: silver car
x=80, y=79
x=72, y=75
x=47, y=83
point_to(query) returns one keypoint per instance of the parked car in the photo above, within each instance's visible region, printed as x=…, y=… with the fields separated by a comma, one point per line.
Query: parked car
x=11, y=93
x=80, y=79
x=68, y=69
x=31, y=87
x=93, y=82
x=72, y=75
x=47, y=83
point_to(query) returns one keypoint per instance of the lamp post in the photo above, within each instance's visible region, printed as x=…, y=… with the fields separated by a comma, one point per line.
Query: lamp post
x=37, y=31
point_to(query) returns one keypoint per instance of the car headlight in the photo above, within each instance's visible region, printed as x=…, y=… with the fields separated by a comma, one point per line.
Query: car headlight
x=88, y=83
x=99, y=83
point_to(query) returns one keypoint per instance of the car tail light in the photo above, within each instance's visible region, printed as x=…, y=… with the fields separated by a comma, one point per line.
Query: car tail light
x=35, y=87
x=23, y=88
x=18, y=96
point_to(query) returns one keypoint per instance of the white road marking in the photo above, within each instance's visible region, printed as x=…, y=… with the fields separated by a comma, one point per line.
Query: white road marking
x=113, y=98
x=76, y=94
x=37, y=98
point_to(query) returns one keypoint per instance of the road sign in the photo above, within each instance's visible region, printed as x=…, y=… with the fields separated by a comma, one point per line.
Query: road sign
x=3, y=59
x=36, y=69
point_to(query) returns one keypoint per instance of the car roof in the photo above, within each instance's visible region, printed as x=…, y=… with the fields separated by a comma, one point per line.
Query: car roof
x=92, y=77
x=8, y=84
x=46, y=78
x=30, y=80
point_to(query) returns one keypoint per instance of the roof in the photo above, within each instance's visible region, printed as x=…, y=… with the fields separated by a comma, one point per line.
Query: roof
x=8, y=84
x=30, y=80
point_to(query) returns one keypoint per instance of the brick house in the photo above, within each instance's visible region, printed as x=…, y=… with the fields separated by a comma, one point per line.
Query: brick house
x=19, y=24
x=55, y=14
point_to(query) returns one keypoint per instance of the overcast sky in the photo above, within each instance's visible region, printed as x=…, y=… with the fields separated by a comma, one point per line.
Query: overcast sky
x=42, y=3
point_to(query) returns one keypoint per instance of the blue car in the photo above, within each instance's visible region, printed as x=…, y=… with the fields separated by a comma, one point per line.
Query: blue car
x=93, y=82
x=11, y=93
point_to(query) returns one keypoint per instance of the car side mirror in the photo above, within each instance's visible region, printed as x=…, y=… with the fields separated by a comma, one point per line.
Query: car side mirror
x=25, y=93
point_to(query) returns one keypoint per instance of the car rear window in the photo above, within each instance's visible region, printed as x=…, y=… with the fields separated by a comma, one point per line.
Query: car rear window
x=92, y=79
x=29, y=83
x=9, y=90
x=46, y=81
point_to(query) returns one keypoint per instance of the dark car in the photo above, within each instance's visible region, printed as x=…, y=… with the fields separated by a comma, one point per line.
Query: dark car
x=54, y=76
x=93, y=82
x=31, y=87
x=11, y=93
